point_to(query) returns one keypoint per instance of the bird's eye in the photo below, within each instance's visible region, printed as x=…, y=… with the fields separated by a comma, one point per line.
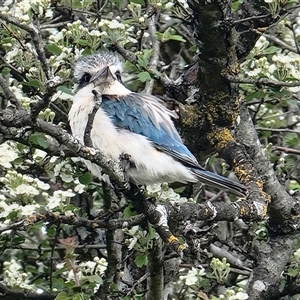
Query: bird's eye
x=85, y=79
x=118, y=75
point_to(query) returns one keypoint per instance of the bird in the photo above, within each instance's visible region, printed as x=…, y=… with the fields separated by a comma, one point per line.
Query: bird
x=136, y=124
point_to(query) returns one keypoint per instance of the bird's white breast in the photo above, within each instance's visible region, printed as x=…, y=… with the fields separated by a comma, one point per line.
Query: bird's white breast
x=103, y=132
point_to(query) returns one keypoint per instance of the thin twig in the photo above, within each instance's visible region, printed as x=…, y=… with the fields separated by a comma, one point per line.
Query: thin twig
x=263, y=81
x=280, y=43
x=8, y=293
x=277, y=129
x=154, y=61
x=112, y=224
x=250, y=19
x=8, y=93
x=286, y=150
x=48, y=249
x=36, y=39
x=55, y=25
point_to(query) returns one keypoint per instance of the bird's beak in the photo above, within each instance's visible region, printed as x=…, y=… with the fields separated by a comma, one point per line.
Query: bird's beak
x=104, y=75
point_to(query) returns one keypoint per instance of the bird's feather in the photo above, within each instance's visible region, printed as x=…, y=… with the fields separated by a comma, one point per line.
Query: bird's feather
x=146, y=116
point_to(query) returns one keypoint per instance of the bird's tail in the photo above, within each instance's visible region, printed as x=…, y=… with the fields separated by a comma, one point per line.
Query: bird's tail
x=220, y=182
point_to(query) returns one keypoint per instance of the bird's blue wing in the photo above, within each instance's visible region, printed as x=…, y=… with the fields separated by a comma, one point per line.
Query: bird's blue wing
x=144, y=115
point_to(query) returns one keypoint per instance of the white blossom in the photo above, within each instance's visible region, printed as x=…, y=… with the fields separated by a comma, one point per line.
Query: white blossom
x=169, y=5
x=114, y=24
x=7, y=155
x=79, y=188
x=239, y=296
x=53, y=201
x=69, y=213
x=94, y=33
x=29, y=209
x=193, y=276
x=7, y=209
x=169, y=194
x=101, y=266
x=58, y=198
x=42, y=185
x=297, y=255
x=153, y=188
x=27, y=190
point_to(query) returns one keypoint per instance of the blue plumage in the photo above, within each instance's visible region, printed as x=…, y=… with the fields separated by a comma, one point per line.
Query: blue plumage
x=128, y=113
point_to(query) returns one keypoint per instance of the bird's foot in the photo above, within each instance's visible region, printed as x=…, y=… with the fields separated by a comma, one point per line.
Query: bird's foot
x=125, y=186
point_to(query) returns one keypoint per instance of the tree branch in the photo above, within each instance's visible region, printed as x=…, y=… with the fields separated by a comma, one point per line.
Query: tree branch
x=8, y=93
x=20, y=118
x=12, y=294
x=155, y=279
x=154, y=61
x=111, y=224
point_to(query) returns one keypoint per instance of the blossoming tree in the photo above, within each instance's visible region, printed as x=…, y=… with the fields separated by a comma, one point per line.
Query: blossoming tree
x=231, y=72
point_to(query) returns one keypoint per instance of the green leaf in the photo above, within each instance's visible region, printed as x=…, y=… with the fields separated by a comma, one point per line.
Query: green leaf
x=144, y=76
x=142, y=62
x=167, y=35
x=42, y=141
x=6, y=40
x=141, y=260
x=113, y=287
x=51, y=231
x=193, y=49
x=76, y=4
x=294, y=186
x=54, y=49
x=130, y=67
x=291, y=139
x=92, y=278
x=39, y=139
x=20, y=147
x=176, y=37
x=160, y=35
x=255, y=95
x=147, y=54
x=65, y=89
x=86, y=178
x=62, y=296
x=235, y=4
x=18, y=240
x=87, y=51
x=156, y=73
x=271, y=50
x=293, y=272
x=138, y=1
x=19, y=161
x=82, y=42
x=129, y=211
x=5, y=71
x=151, y=232
x=34, y=82
x=179, y=190
x=58, y=283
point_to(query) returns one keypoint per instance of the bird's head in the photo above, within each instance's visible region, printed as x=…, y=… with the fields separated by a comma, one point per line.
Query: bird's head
x=102, y=69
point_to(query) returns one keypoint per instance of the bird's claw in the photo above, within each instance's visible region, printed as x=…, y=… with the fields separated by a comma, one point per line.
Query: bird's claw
x=125, y=156
x=125, y=186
